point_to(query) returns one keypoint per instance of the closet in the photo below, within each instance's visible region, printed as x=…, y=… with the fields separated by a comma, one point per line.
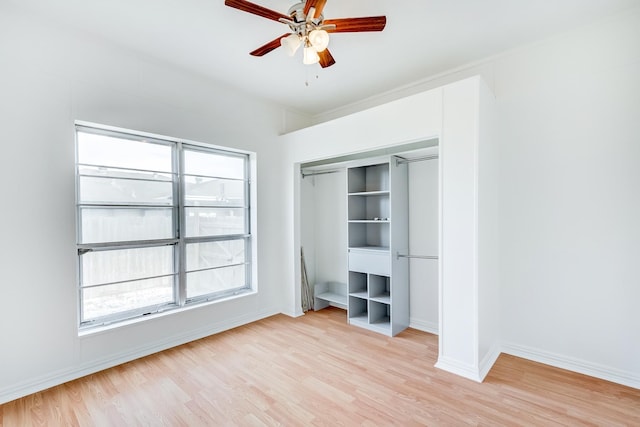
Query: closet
x=361, y=219
x=462, y=302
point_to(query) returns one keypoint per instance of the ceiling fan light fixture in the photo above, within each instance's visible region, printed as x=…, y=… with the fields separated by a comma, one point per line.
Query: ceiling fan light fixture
x=310, y=56
x=319, y=39
x=291, y=43
x=307, y=27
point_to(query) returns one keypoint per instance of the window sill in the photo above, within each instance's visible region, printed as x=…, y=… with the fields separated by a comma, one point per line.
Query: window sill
x=97, y=330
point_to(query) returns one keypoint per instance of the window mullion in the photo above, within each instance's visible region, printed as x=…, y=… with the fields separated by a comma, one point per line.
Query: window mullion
x=79, y=273
x=181, y=225
x=247, y=221
x=89, y=247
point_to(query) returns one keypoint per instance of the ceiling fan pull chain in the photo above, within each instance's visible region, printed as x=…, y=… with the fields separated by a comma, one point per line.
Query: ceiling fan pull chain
x=306, y=80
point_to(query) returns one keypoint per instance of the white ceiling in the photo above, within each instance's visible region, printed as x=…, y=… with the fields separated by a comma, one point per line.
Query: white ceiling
x=422, y=38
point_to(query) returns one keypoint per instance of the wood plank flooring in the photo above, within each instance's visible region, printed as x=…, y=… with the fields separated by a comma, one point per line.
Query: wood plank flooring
x=318, y=371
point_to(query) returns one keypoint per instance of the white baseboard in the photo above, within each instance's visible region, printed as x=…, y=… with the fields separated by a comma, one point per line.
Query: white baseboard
x=461, y=369
x=488, y=361
x=607, y=373
x=424, y=326
x=61, y=376
x=294, y=314
x=475, y=373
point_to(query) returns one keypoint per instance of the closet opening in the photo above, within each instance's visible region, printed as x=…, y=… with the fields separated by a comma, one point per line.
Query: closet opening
x=369, y=234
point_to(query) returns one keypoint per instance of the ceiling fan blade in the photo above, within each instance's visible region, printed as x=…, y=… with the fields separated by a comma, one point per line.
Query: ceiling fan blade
x=268, y=47
x=354, y=25
x=326, y=60
x=247, y=6
x=317, y=4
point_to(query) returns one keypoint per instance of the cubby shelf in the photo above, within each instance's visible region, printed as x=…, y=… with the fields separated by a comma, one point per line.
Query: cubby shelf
x=369, y=221
x=359, y=320
x=362, y=295
x=385, y=299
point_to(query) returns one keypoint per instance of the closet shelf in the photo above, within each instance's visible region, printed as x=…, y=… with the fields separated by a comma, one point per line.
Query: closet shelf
x=370, y=193
x=330, y=293
x=333, y=297
x=369, y=248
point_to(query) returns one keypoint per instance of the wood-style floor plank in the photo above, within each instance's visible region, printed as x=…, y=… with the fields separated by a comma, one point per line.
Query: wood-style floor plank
x=318, y=371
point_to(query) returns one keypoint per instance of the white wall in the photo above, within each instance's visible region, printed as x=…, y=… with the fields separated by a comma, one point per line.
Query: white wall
x=569, y=127
x=48, y=78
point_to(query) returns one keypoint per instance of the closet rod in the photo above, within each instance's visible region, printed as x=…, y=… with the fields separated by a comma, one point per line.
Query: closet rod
x=417, y=159
x=304, y=175
x=399, y=255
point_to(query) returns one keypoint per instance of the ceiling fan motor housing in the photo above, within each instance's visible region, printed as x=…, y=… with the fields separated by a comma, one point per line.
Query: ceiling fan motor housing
x=301, y=23
x=297, y=12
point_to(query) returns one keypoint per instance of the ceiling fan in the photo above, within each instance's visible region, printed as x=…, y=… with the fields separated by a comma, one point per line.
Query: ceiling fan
x=308, y=28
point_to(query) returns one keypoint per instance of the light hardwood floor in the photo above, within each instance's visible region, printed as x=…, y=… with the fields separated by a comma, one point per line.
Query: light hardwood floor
x=317, y=370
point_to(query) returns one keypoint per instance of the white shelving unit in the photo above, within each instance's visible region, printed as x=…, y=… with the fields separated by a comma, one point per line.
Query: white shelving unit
x=378, y=285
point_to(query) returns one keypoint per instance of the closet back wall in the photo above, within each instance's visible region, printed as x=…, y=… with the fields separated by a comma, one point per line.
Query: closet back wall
x=324, y=226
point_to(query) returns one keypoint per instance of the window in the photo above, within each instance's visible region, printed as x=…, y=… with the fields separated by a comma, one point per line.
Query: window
x=161, y=224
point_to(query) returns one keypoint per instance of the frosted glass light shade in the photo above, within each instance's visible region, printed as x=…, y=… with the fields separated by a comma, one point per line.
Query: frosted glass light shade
x=319, y=39
x=291, y=43
x=310, y=56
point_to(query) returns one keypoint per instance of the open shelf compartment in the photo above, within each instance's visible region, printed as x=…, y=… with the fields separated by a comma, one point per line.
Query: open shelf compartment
x=358, y=284
x=380, y=288
x=330, y=293
x=369, y=234
x=380, y=316
x=358, y=311
x=374, y=207
x=369, y=178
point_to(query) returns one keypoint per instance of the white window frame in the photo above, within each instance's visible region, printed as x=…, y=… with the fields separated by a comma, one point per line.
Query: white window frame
x=179, y=241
